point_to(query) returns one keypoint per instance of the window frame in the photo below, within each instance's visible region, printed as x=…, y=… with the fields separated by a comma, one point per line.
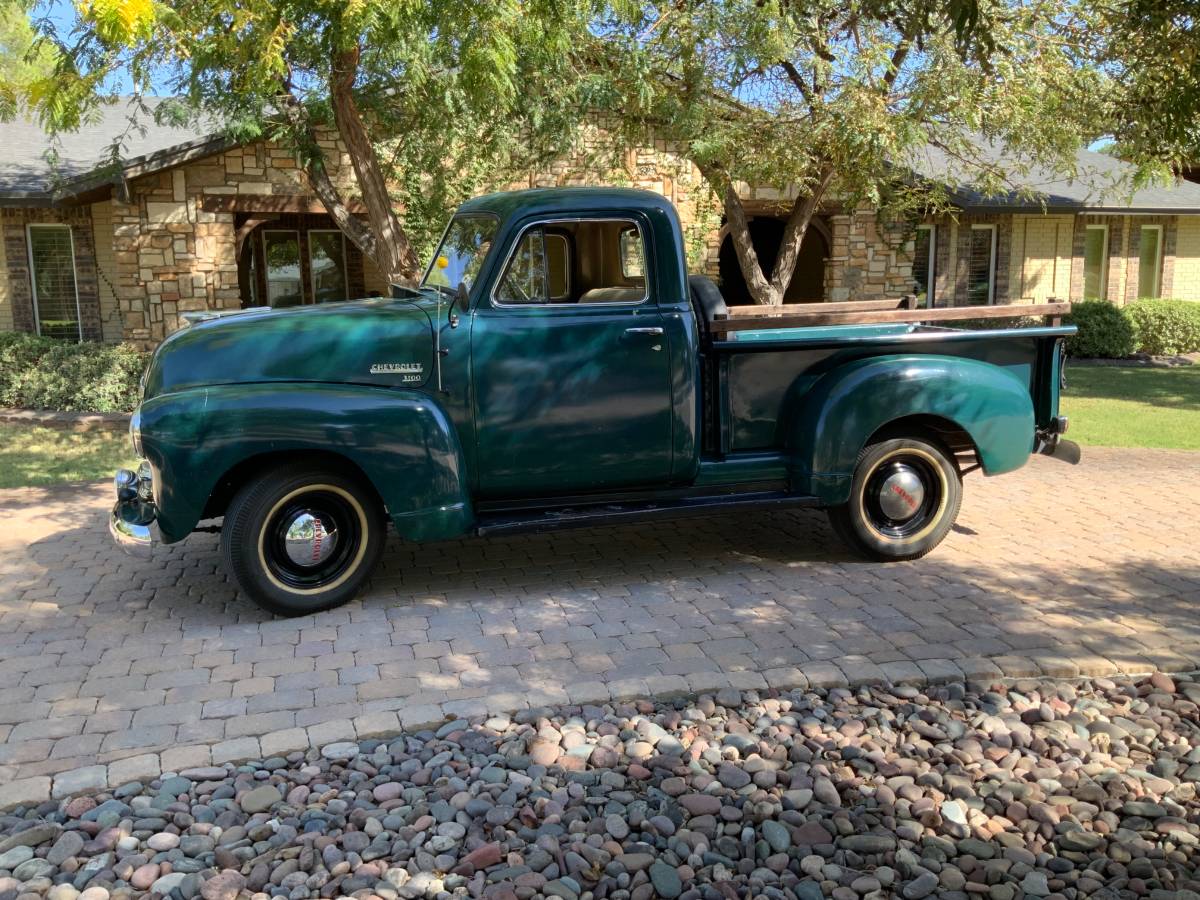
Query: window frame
x=267, y=264
x=1158, y=261
x=37, y=315
x=985, y=226
x=311, y=272
x=546, y=258
x=548, y=222
x=621, y=256
x=930, y=263
x=1103, y=261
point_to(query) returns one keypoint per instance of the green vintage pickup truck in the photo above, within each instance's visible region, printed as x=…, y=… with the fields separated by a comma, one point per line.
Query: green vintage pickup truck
x=556, y=367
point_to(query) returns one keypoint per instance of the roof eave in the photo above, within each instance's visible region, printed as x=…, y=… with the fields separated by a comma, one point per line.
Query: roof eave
x=94, y=186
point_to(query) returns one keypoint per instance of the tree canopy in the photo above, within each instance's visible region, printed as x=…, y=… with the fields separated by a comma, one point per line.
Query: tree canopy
x=837, y=100
x=22, y=58
x=837, y=97
x=431, y=99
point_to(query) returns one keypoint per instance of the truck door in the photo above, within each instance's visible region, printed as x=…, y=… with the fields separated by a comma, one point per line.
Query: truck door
x=570, y=364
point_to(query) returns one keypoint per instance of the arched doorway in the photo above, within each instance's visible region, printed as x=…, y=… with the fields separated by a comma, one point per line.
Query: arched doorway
x=808, y=281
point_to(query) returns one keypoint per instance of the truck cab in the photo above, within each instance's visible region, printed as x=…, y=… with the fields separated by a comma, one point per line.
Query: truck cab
x=558, y=366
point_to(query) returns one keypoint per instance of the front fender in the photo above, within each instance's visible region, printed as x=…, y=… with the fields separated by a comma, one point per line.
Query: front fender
x=849, y=404
x=402, y=440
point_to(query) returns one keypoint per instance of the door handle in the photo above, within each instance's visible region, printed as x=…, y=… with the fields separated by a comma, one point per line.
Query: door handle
x=654, y=330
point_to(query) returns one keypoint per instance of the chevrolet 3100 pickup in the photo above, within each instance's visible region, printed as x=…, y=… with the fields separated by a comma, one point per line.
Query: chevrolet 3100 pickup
x=557, y=366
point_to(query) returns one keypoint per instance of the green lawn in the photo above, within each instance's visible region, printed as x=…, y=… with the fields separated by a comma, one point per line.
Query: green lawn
x=37, y=456
x=1128, y=407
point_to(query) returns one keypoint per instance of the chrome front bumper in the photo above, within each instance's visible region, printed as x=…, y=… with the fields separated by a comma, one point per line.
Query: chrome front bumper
x=132, y=523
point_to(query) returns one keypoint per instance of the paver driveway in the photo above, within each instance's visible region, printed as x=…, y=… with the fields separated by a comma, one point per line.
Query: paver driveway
x=106, y=662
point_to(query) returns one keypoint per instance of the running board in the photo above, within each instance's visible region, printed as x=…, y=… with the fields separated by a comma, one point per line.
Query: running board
x=644, y=511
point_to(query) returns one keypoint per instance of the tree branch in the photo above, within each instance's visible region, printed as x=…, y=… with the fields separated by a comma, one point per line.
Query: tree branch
x=739, y=232
x=393, y=254
x=793, y=233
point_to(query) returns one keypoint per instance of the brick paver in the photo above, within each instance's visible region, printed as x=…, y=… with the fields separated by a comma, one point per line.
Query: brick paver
x=108, y=661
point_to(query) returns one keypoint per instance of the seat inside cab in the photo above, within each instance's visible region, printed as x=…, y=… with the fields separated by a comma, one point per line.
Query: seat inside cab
x=590, y=261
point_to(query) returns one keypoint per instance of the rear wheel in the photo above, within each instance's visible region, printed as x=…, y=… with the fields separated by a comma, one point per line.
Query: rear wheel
x=904, y=498
x=301, y=539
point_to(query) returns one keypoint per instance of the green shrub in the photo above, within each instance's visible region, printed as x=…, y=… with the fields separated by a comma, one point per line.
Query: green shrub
x=1166, y=327
x=1105, y=330
x=43, y=373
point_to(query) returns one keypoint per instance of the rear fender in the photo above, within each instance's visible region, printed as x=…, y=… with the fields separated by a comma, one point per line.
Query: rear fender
x=401, y=440
x=849, y=404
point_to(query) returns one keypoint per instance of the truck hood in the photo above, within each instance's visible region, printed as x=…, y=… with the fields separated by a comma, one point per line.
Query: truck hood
x=385, y=342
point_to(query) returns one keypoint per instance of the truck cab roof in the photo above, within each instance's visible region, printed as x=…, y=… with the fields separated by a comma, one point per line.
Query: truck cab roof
x=561, y=200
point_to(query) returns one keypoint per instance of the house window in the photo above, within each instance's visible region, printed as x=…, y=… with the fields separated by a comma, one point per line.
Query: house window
x=1150, y=261
x=1095, y=262
x=981, y=271
x=924, y=264
x=281, y=250
x=327, y=265
x=52, y=273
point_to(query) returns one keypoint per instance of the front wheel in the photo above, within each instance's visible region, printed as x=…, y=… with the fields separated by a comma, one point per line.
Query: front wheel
x=300, y=539
x=904, y=498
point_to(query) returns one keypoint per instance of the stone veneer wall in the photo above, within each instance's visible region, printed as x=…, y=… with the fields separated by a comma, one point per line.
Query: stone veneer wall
x=173, y=256
x=868, y=259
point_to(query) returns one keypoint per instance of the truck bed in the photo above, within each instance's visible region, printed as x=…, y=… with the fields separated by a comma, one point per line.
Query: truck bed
x=759, y=374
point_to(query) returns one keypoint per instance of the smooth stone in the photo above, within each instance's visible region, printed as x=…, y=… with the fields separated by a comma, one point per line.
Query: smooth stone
x=260, y=799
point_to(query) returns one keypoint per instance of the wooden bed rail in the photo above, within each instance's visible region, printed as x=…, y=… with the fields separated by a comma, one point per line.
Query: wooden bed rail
x=865, y=312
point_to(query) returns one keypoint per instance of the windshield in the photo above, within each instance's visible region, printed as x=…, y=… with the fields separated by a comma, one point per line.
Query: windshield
x=461, y=252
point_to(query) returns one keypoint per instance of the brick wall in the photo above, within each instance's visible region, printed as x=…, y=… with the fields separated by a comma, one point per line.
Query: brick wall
x=106, y=271
x=1187, y=259
x=1040, y=259
x=19, y=286
x=6, y=311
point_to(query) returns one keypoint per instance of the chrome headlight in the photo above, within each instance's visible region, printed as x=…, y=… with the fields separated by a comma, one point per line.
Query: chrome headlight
x=145, y=482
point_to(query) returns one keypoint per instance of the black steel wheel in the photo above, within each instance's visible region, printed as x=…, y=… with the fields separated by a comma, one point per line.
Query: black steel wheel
x=904, y=498
x=301, y=539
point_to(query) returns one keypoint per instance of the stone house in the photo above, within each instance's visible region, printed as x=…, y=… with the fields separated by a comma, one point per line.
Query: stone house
x=192, y=222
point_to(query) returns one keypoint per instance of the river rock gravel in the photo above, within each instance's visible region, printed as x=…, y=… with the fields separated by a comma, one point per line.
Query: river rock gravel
x=1044, y=789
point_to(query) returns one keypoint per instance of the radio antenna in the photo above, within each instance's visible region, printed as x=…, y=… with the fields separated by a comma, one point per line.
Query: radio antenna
x=437, y=341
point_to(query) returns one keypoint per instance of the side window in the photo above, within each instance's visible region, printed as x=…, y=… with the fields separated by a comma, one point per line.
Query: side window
x=633, y=260
x=525, y=280
x=540, y=270
x=599, y=260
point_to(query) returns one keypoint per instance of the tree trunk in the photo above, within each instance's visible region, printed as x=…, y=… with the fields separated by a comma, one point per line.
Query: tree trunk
x=769, y=291
x=391, y=250
x=794, y=232
x=762, y=290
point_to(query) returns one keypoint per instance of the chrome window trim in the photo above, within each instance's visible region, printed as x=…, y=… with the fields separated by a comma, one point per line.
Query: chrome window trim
x=542, y=223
